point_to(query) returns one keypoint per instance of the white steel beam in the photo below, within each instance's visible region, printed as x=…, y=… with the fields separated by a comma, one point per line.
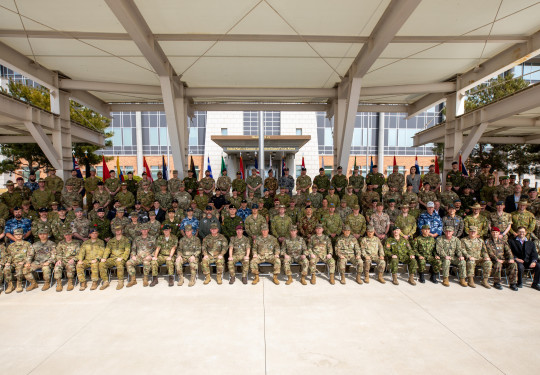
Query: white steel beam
x=425, y=103
x=91, y=101
x=431, y=135
x=45, y=144
x=17, y=139
x=207, y=92
x=351, y=109
x=472, y=140
x=410, y=89
x=69, y=84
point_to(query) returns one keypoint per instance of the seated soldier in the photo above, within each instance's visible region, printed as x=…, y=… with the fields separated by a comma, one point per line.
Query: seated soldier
x=116, y=254
x=165, y=248
x=265, y=250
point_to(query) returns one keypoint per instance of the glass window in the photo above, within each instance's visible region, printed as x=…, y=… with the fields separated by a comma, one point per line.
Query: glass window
x=128, y=168
x=298, y=131
x=328, y=137
x=328, y=170
x=392, y=137
x=357, y=137
x=193, y=136
x=298, y=170
x=127, y=136
x=224, y=131
x=99, y=171
x=164, y=137
x=154, y=169
x=153, y=136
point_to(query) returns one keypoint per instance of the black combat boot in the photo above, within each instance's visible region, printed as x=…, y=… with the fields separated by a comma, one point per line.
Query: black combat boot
x=421, y=277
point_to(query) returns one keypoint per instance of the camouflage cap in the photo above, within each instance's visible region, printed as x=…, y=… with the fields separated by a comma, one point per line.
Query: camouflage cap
x=54, y=203
x=476, y=206
x=356, y=167
x=449, y=183
x=264, y=227
x=356, y=207
x=473, y=228
x=152, y=213
x=41, y=180
x=145, y=226
x=188, y=227
x=293, y=228
x=67, y=231
x=346, y=227
x=426, y=226
x=319, y=226
x=118, y=227
x=166, y=227
x=27, y=202
x=449, y=228
x=350, y=187
x=18, y=231
x=214, y=226
x=134, y=214
x=44, y=230
x=78, y=209
x=370, y=228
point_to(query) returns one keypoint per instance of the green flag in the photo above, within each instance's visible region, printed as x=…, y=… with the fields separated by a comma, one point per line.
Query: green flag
x=355, y=161
x=223, y=167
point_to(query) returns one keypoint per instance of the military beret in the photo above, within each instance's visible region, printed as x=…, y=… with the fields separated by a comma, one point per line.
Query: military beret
x=395, y=227
x=265, y=190
x=92, y=230
x=375, y=165
x=214, y=226
x=286, y=169
x=331, y=205
x=457, y=200
x=346, y=227
x=166, y=227
x=513, y=176
x=151, y=213
x=454, y=163
x=331, y=188
x=43, y=209
x=503, y=178
x=100, y=209
x=356, y=207
x=208, y=208
x=100, y=183
x=244, y=201
x=175, y=171
x=495, y=229
x=138, y=202
x=349, y=187
x=451, y=207
x=303, y=168
x=321, y=169
x=18, y=231
x=370, y=228
x=19, y=178
x=276, y=200
x=391, y=200
x=426, y=226
x=124, y=184
x=62, y=208
x=473, y=228
x=16, y=208
x=356, y=167
x=239, y=227
x=374, y=200
x=27, y=202
x=319, y=226
x=175, y=200
x=189, y=209
x=254, y=206
x=232, y=207
x=188, y=227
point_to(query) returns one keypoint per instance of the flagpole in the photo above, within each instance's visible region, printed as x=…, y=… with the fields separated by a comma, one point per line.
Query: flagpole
x=261, y=147
x=169, y=154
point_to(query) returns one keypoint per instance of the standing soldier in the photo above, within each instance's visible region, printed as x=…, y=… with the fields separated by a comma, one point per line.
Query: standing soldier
x=303, y=182
x=145, y=196
x=356, y=180
x=448, y=196
x=201, y=199
x=69, y=196
x=322, y=181
x=90, y=186
x=164, y=197
x=165, y=248
x=174, y=182
x=265, y=250
x=332, y=198
x=25, y=191
x=270, y=183
x=112, y=184
x=159, y=182
x=191, y=183
x=501, y=220
x=281, y=224
x=426, y=195
x=283, y=197
x=80, y=225
x=501, y=255
x=424, y=248
x=286, y=181
x=432, y=178
x=475, y=252
x=339, y=181
x=396, y=180
x=101, y=196
x=141, y=253
x=523, y=218
x=41, y=197
x=376, y=179
x=476, y=220
x=448, y=251
x=115, y=255
x=10, y=197
x=66, y=258
x=44, y=255
x=320, y=249
x=223, y=183
x=398, y=249
x=308, y=223
x=349, y=198
x=373, y=251
x=315, y=197
x=369, y=196
x=239, y=185
x=294, y=251
x=357, y=222
x=503, y=190
x=89, y=255
x=254, y=222
x=208, y=184
x=455, y=176
x=19, y=255
x=453, y=220
x=54, y=183
x=332, y=224
x=406, y=223
x=348, y=250
x=239, y=249
x=182, y=196
x=103, y=225
x=230, y=223
x=380, y=221
x=189, y=250
x=125, y=197
x=214, y=248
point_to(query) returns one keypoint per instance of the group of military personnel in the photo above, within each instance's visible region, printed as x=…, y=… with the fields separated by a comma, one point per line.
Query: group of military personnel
x=339, y=221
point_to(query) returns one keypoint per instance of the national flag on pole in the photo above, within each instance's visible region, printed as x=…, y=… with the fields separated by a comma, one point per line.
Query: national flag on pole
x=371, y=167
x=303, y=163
x=165, y=169
x=460, y=163
x=87, y=166
x=192, y=167
x=147, y=170
x=437, y=165
x=355, y=162
x=242, y=167
x=223, y=167
x=462, y=168
x=209, y=168
x=119, y=171
x=257, y=166
x=395, y=162
x=106, y=173
x=76, y=167
x=415, y=165
x=283, y=166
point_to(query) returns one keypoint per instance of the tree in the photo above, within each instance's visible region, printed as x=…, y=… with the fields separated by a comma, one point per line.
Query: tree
x=19, y=155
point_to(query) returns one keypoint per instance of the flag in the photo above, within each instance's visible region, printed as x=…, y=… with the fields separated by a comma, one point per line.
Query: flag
x=257, y=165
x=464, y=171
x=119, y=171
x=242, y=167
x=283, y=166
x=165, y=170
x=415, y=165
x=355, y=162
x=395, y=162
x=147, y=170
x=192, y=167
x=87, y=166
x=371, y=167
x=76, y=167
x=209, y=168
x=223, y=167
x=460, y=163
x=437, y=165
x=106, y=173
x=303, y=163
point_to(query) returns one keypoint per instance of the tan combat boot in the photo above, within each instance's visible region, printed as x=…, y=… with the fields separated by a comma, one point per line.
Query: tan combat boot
x=145, y=280
x=445, y=281
x=380, y=278
x=411, y=279
x=232, y=279
x=46, y=286
x=394, y=279
x=70, y=285
x=359, y=279
x=218, y=279
x=485, y=283
x=83, y=286
x=132, y=282
x=94, y=285
x=289, y=280
x=342, y=278
x=303, y=280
x=256, y=279
x=19, y=288
x=192, y=280
x=366, y=277
x=180, y=280
x=9, y=287
x=332, y=281
x=275, y=279
x=59, y=285
x=120, y=284
x=471, y=282
x=313, y=279
x=207, y=279
x=105, y=285
x=33, y=285
x=462, y=282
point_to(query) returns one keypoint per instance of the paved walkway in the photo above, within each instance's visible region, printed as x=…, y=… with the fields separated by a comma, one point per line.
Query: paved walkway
x=269, y=329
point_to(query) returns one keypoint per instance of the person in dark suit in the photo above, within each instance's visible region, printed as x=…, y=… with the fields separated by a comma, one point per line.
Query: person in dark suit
x=525, y=255
x=160, y=212
x=511, y=202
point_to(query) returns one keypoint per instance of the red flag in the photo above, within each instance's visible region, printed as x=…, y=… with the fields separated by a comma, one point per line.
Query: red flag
x=460, y=163
x=303, y=164
x=147, y=170
x=242, y=167
x=106, y=173
x=437, y=165
x=395, y=162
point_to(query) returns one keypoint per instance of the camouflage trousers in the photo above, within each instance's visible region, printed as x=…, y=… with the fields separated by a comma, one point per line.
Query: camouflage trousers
x=379, y=267
x=269, y=258
x=46, y=269
x=435, y=264
x=511, y=272
x=485, y=264
x=181, y=260
x=460, y=264
x=357, y=262
x=238, y=258
x=1, y=273
x=330, y=262
x=20, y=271
x=411, y=263
x=110, y=263
x=70, y=269
x=300, y=259
x=162, y=259
x=144, y=259
x=220, y=264
x=94, y=267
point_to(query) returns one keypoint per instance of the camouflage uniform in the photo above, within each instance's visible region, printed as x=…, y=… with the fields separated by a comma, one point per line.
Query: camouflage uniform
x=271, y=183
x=451, y=248
x=357, y=182
x=90, y=186
x=456, y=222
x=456, y=178
x=502, y=192
x=293, y=214
x=229, y=226
x=392, y=214
x=126, y=199
x=240, y=186
x=224, y=183
x=119, y=222
x=322, y=182
x=89, y=252
x=333, y=198
x=54, y=184
x=158, y=183
x=81, y=226
x=447, y=198
x=112, y=184
x=146, y=198
x=307, y=225
x=184, y=199
x=239, y=247
x=476, y=248
x=104, y=228
x=58, y=227
x=351, y=199
x=253, y=225
x=343, y=213
x=425, y=247
x=66, y=258
x=102, y=197
x=164, y=199
x=397, y=180
x=480, y=222
x=68, y=197
x=357, y=224
x=287, y=182
x=522, y=219
x=174, y=224
x=316, y=199
x=303, y=182
x=154, y=228
x=212, y=248
x=202, y=201
x=280, y=226
x=293, y=251
x=339, y=182
x=376, y=179
x=408, y=196
x=165, y=246
x=39, y=224
x=44, y=255
x=487, y=194
x=141, y=253
x=499, y=250
x=368, y=198
x=116, y=249
x=187, y=248
x=348, y=250
x=173, y=185
x=11, y=199
x=318, y=249
x=427, y=196
x=284, y=199
x=41, y=198
x=332, y=225
x=207, y=184
x=380, y=222
x=407, y=224
x=500, y=221
x=372, y=249
x=402, y=249
x=265, y=251
x=434, y=179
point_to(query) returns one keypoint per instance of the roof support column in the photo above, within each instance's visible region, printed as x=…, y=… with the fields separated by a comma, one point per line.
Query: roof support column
x=345, y=119
x=61, y=134
x=453, y=137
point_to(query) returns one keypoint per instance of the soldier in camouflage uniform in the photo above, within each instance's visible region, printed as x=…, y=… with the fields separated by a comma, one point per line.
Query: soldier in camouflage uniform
x=475, y=252
x=392, y=194
x=398, y=249
x=10, y=197
x=501, y=255
x=332, y=224
x=476, y=220
x=208, y=184
x=265, y=250
x=159, y=182
x=164, y=197
x=43, y=222
x=448, y=251
x=80, y=225
x=315, y=197
x=348, y=250
x=448, y=196
x=189, y=250
x=453, y=220
x=426, y=195
x=69, y=196
x=281, y=224
x=320, y=250
x=307, y=224
x=349, y=198
x=322, y=181
x=239, y=185
x=27, y=212
x=41, y=197
x=406, y=223
x=146, y=197
x=103, y=225
x=19, y=256
x=154, y=226
x=339, y=182
x=424, y=248
x=254, y=222
x=286, y=181
x=487, y=193
x=283, y=197
x=229, y=224
x=294, y=250
x=90, y=186
x=183, y=197
x=201, y=199
x=115, y=255
x=120, y=219
x=172, y=221
x=90, y=254
x=191, y=183
x=369, y=196
x=174, y=182
x=54, y=184
x=332, y=197
x=270, y=183
x=343, y=211
x=224, y=183
x=164, y=254
x=357, y=222
x=142, y=249
x=239, y=250
x=67, y=252
x=380, y=221
x=377, y=180
x=409, y=194
x=214, y=248
x=102, y=196
x=523, y=218
x=392, y=211
x=303, y=182
x=356, y=180
x=373, y=251
x=501, y=219
x=503, y=190
x=293, y=211
x=396, y=180
x=125, y=197
x=455, y=176
x=44, y=255
x=112, y=184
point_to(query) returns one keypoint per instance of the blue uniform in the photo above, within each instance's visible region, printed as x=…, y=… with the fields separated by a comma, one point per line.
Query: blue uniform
x=12, y=224
x=243, y=213
x=434, y=221
x=194, y=222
